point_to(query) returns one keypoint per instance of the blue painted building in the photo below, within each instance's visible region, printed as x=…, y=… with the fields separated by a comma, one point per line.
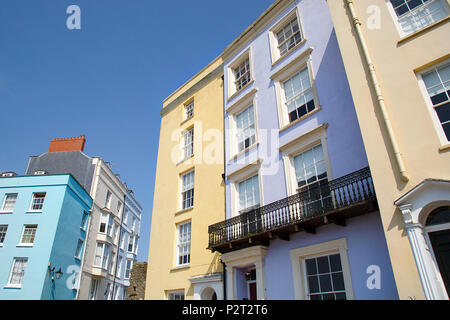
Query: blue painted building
x=301, y=212
x=43, y=223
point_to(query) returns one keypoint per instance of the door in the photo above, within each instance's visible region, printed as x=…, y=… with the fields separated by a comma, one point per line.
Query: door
x=252, y=290
x=440, y=241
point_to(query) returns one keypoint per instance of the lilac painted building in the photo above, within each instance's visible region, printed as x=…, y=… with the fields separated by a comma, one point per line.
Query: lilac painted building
x=301, y=212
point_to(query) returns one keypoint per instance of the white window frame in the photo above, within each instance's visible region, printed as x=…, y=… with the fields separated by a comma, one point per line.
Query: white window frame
x=33, y=198
x=295, y=66
x=232, y=90
x=431, y=108
x=108, y=199
x=233, y=110
x=187, y=147
x=180, y=244
x=128, y=267
x=79, y=250
x=175, y=293
x=183, y=190
x=254, y=177
x=5, y=199
x=93, y=289
x=17, y=285
x=273, y=39
x=33, y=235
x=104, y=256
x=236, y=177
x=3, y=233
x=298, y=256
x=396, y=18
x=299, y=145
x=84, y=221
x=188, y=110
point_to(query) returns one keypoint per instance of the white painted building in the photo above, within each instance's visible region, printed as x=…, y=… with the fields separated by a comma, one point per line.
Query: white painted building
x=112, y=237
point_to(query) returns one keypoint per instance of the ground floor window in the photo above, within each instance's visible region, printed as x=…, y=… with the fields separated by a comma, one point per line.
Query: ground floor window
x=175, y=295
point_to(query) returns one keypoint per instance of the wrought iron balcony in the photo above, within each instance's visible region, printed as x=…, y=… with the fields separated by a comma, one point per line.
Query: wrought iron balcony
x=328, y=202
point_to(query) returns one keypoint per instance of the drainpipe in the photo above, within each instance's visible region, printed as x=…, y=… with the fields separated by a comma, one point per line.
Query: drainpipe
x=224, y=266
x=376, y=87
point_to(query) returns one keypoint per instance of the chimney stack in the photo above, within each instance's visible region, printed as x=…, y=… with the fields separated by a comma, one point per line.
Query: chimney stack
x=67, y=144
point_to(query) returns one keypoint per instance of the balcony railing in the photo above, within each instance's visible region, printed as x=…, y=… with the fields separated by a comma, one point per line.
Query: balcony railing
x=319, y=200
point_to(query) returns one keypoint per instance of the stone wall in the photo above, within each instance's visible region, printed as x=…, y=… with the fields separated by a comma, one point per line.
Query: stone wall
x=136, y=290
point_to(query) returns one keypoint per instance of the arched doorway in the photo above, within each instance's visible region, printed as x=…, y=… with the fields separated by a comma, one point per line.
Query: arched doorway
x=208, y=294
x=437, y=226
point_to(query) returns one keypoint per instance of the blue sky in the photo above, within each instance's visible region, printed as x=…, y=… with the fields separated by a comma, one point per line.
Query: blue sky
x=107, y=80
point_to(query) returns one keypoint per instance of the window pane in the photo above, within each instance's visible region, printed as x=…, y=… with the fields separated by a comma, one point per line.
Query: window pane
x=322, y=265
x=335, y=263
x=311, y=266
x=338, y=281
x=313, y=284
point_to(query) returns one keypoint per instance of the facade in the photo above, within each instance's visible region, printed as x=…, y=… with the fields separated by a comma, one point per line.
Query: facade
x=43, y=224
x=398, y=67
x=189, y=191
x=302, y=220
x=113, y=232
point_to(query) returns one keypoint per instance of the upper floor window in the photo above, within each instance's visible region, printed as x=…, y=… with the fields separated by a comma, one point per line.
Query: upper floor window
x=311, y=176
x=84, y=220
x=288, y=36
x=108, y=199
x=245, y=128
x=79, y=251
x=187, y=190
x=17, y=272
x=28, y=234
x=188, y=144
x=189, y=110
x=437, y=83
x=184, y=243
x=248, y=193
x=310, y=166
x=9, y=202
x=242, y=74
x=37, y=202
x=413, y=15
x=299, y=96
x=3, y=230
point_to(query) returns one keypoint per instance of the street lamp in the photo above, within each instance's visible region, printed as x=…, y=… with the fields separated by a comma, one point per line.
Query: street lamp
x=58, y=274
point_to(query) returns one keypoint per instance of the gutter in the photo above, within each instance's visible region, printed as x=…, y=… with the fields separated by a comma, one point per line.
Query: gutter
x=375, y=85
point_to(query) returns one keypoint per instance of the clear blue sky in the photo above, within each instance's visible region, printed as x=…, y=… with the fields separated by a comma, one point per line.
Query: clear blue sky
x=107, y=80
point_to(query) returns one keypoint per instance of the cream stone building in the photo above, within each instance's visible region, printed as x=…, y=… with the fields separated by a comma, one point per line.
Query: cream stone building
x=189, y=191
x=397, y=58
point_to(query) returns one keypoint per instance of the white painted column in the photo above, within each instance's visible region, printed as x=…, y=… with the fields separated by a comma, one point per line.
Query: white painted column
x=260, y=280
x=422, y=255
x=231, y=283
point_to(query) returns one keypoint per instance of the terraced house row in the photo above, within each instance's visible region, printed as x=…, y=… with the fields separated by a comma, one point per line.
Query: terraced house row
x=69, y=228
x=310, y=160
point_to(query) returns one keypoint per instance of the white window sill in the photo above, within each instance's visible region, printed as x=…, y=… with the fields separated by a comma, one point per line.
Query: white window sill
x=6, y=211
x=184, y=266
x=445, y=147
x=13, y=286
x=34, y=211
x=185, y=159
x=25, y=245
x=184, y=210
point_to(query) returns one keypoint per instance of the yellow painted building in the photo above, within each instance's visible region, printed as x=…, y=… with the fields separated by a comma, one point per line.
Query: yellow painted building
x=189, y=191
x=397, y=59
